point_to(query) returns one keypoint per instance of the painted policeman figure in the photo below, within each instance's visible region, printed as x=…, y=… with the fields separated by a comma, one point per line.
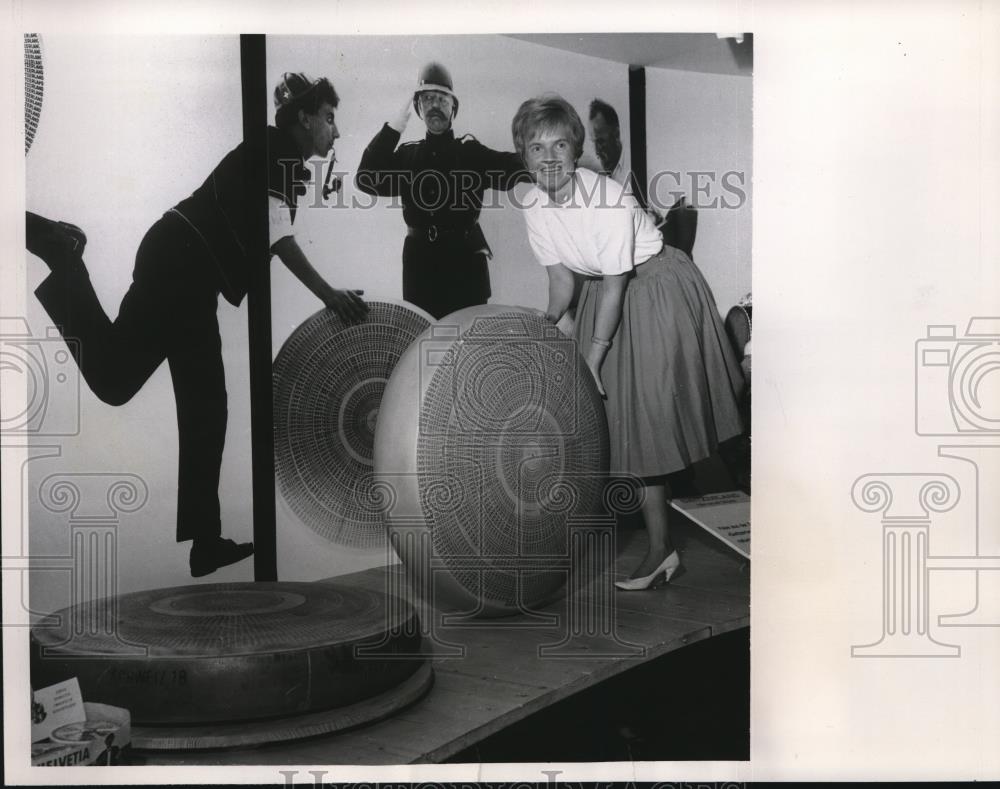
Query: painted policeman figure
x=441, y=181
x=191, y=255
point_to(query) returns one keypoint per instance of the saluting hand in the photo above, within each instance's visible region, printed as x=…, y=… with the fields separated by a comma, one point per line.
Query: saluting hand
x=403, y=116
x=348, y=305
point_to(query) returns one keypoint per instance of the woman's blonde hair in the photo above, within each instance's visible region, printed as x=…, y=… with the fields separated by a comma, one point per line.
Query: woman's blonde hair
x=546, y=113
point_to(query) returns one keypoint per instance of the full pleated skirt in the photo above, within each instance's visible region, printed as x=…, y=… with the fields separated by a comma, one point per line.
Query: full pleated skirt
x=671, y=376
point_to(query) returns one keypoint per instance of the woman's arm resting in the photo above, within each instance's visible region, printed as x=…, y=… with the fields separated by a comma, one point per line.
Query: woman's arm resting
x=560, y=291
x=609, y=315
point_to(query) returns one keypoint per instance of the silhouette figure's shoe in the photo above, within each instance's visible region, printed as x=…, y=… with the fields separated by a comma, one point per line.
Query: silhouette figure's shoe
x=59, y=244
x=207, y=557
x=661, y=574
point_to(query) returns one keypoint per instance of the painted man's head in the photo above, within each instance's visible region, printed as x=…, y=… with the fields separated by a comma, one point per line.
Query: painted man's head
x=606, y=131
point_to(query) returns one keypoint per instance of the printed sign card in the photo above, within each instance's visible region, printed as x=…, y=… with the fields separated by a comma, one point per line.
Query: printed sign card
x=724, y=515
x=56, y=706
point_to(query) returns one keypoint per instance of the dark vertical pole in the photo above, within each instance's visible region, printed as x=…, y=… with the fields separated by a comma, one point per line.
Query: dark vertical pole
x=637, y=131
x=252, y=60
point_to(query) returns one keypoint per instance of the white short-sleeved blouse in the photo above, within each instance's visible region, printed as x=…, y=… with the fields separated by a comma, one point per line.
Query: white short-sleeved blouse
x=601, y=230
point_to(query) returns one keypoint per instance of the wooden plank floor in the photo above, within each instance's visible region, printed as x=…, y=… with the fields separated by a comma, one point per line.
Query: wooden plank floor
x=502, y=679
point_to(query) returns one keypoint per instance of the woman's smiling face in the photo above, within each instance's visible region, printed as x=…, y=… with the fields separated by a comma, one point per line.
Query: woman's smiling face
x=550, y=157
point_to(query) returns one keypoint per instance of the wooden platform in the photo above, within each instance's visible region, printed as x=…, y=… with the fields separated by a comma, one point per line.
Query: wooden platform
x=502, y=679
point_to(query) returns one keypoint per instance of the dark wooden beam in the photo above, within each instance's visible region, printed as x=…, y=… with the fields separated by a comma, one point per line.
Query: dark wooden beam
x=637, y=131
x=254, y=83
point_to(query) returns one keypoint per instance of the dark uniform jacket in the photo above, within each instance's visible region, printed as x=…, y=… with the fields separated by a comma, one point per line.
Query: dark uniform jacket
x=216, y=211
x=440, y=181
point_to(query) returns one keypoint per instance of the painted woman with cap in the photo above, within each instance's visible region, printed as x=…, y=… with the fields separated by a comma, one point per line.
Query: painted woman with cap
x=441, y=181
x=194, y=252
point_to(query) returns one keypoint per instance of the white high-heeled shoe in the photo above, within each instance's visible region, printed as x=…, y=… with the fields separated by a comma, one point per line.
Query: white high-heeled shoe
x=667, y=568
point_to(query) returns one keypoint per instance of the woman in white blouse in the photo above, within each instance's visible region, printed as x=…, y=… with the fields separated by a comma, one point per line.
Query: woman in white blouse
x=646, y=324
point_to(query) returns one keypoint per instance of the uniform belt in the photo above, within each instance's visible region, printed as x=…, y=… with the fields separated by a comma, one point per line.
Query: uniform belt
x=434, y=232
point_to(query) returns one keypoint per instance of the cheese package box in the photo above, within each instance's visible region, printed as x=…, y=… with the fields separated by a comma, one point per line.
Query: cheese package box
x=101, y=738
x=55, y=706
